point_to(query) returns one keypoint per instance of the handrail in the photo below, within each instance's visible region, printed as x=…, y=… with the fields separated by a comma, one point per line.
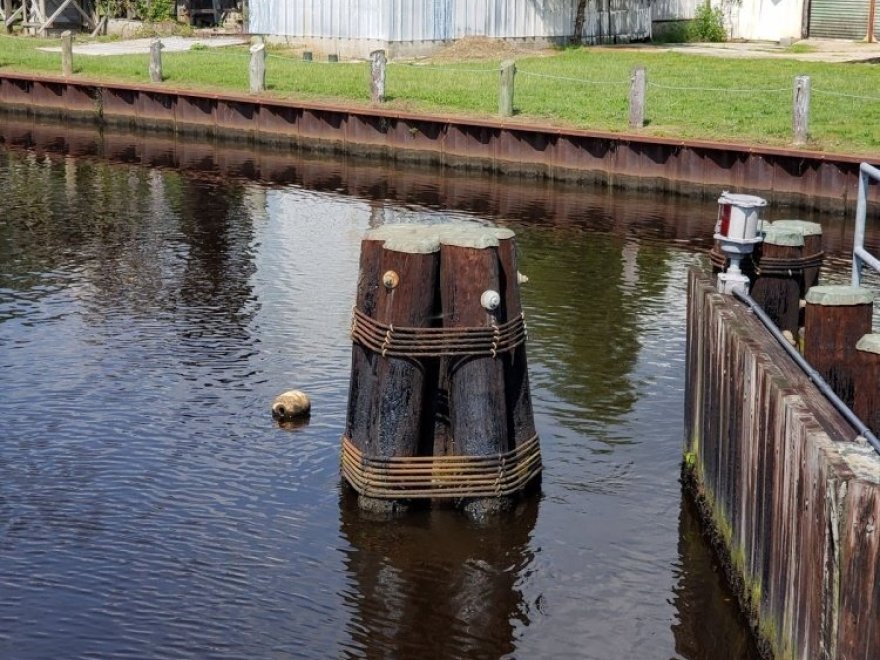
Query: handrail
x=861, y=256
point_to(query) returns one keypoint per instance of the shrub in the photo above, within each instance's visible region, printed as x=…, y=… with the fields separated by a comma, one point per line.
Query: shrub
x=708, y=24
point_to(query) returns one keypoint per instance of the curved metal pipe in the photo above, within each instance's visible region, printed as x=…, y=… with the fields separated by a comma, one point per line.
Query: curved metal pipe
x=811, y=373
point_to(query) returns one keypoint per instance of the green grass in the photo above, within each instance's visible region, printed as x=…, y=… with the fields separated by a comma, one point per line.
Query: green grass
x=741, y=100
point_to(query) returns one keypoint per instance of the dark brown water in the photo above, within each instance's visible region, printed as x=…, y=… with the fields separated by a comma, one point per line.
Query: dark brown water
x=149, y=507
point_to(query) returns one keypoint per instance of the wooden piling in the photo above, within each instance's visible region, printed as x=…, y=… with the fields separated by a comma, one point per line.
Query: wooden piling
x=67, y=53
x=156, y=61
x=777, y=287
x=813, y=253
x=505, y=94
x=520, y=418
x=867, y=382
x=836, y=318
x=377, y=76
x=638, y=86
x=439, y=370
x=257, y=68
x=405, y=298
x=800, y=113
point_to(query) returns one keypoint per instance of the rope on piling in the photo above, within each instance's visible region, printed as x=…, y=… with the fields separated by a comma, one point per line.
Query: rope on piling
x=787, y=265
x=406, y=477
x=410, y=342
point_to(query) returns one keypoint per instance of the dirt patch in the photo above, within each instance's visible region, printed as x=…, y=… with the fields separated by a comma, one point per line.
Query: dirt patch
x=484, y=48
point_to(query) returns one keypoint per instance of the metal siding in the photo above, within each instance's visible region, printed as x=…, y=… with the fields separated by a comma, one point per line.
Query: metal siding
x=674, y=10
x=839, y=19
x=432, y=20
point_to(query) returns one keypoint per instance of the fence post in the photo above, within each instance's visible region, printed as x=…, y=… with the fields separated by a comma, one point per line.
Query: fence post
x=505, y=96
x=800, y=113
x=638, y=82
x=377, y=76
x=156, y=61
x=257, y=68
x=67, y=53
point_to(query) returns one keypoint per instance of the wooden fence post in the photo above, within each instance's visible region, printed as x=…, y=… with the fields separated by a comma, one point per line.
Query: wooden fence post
x=257, y=68
x=505, y=96
x=638, y=82
x=377, y=76
x=800, y=112
x=156, y=61
x=67, y=53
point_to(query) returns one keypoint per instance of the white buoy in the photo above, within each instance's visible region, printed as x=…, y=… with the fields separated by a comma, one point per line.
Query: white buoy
x=291, y=404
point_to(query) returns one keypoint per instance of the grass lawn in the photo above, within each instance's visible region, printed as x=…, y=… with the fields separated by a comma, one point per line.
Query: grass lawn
x=689, y=96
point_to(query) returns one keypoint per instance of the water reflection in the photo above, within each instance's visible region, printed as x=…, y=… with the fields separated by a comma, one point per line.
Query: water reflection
x=150, y=506
x=693, y=638
x=433, y=585
x=594, y=346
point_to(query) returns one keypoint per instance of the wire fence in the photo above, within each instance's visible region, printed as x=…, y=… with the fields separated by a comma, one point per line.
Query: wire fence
x=664, y=103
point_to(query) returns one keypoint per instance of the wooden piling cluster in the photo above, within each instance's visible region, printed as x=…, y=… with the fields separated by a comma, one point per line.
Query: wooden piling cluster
x=792, y=496
x=439, y=402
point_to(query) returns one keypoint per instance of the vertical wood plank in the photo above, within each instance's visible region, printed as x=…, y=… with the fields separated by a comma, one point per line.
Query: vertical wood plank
x=257, y=68
x=377, y=76
x=505, y=95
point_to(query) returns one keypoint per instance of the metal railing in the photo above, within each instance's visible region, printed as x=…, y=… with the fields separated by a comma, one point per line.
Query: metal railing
x=861, y=256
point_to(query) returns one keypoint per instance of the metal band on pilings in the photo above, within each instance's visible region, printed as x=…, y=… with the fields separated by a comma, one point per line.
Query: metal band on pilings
x=417, y=477
x=787, y=266
x=392, y=341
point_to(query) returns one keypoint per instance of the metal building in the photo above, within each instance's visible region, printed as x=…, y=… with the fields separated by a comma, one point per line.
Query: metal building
x=357, y=26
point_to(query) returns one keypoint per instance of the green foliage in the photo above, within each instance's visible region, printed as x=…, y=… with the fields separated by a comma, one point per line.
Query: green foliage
x=708, y=24
x=155, y=11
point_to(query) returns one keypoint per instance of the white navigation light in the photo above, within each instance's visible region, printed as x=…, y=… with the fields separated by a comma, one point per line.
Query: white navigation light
x=737, y=231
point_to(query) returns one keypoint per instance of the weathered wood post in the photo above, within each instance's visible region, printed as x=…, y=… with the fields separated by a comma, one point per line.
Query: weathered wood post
x=377, y=76
x=813, y=255
x=505, y=95
x=777, y=287
x=439, y=403
x=156, y=61
x=67, y=53
x=257, y=68
x=836, y=318
x=867, y=382
x=800, y=114
x=637, y=89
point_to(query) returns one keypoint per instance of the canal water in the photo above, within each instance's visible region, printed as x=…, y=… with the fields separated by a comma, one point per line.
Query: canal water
x=150, y=506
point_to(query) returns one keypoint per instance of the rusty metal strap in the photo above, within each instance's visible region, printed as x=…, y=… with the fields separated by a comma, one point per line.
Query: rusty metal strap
x=413, y=342
x=788, y=265
x=400, y=477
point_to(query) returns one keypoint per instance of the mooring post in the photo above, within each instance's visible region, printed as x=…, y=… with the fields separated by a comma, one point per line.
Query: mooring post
x=67, y=53
x=867, y=382
x=505, y=95
x=777, y=287
x=439, y=399
x=800, y=114
x=257, y=69
x=813, y=254
x=637, y=88
x=377, y=76
x=836, y=318
x=156, y=61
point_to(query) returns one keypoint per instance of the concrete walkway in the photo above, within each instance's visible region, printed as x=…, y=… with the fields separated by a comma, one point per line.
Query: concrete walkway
x=142, y=46
x=806, y=50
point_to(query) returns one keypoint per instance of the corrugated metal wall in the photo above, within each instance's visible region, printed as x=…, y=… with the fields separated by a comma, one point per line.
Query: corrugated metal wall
x=442, y=20
x=674, y=10
x=839, y=19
